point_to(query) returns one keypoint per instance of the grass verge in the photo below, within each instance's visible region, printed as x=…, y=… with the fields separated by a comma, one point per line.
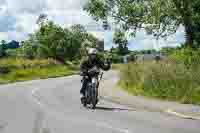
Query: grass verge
x=117, y=66
x=168, y=81
x=31, y=70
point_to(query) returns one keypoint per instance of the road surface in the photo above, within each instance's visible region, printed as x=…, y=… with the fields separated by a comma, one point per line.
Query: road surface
x=53, y=106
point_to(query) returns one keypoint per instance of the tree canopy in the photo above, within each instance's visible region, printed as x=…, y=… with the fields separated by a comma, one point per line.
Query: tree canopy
x=53, y=41
x=160, y=18
x=121, y=41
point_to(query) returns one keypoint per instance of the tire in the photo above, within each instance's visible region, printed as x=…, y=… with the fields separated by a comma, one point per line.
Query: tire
x=94, y=103
x=84, y=101
x=94, y=98
x=85, y=104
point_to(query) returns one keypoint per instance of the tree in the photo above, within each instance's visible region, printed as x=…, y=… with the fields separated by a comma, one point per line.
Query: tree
x=41, y=19
x=13, y=45
x=196, y=18
x=120, y=40
x=78, y=35
x=160, y=18
x=3, y=48
x=184, y=10
x=28, y=50
x=78, y=28
x=168, y=50
x=55, y=42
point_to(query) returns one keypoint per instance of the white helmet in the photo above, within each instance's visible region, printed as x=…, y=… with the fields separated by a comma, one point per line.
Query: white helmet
x=92, y=51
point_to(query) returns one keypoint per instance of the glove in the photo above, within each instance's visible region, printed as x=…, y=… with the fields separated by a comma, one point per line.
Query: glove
x=83, y=73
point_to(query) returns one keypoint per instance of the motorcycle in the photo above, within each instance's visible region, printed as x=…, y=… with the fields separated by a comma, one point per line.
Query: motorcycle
x=91, y=93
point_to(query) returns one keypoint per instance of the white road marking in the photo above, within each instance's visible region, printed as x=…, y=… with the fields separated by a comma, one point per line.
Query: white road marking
x=169, y=111
x=33, y=92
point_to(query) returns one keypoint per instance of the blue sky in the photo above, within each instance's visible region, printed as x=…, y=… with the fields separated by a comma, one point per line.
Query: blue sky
x=18, y=19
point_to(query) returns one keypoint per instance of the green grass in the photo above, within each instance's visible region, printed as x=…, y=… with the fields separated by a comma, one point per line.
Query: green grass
x=35, y=73
x=17, y=63
x=117, y=66
x=23, y=70
x=164, y=80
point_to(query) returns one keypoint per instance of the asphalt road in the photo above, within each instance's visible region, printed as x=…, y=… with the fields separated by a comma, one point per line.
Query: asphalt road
x=53, y=106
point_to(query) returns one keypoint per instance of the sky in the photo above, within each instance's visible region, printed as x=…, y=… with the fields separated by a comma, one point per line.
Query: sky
x=18, y=19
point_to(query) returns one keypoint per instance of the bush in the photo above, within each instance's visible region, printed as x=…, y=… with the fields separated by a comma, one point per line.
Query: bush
x=4, y=70
x=117, y=58
x=28, y=50
x=187, y=56
x=13, y=52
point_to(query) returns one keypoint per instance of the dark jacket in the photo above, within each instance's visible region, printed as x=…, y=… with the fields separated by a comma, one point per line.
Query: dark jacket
x=87, y=65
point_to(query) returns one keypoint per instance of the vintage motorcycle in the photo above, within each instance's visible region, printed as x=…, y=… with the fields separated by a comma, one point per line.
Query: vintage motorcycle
x=91, y=93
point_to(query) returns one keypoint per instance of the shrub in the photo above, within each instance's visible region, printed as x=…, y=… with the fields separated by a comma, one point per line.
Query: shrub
x=13, y=52
x=117, y=58
x=187, y=56
x=4, y=70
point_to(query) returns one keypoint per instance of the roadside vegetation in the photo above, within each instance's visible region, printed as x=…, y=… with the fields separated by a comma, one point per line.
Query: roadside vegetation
x=21, y=69
x=176, y=78
x=51, y=51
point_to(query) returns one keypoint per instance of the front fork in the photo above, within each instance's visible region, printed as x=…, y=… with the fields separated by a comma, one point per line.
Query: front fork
x=95, y=82
x=95, y=85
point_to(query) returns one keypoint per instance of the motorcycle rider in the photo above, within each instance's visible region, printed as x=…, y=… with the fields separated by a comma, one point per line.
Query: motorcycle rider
x=91, y=61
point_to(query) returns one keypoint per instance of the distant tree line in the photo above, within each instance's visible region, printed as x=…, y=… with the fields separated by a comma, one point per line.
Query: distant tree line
x=4, y=46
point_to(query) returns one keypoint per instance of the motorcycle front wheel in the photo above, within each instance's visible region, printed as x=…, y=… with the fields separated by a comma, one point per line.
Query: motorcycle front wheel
x=94, y=98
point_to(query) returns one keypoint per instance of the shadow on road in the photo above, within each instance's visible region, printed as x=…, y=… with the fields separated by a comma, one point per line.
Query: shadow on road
x=113, y=109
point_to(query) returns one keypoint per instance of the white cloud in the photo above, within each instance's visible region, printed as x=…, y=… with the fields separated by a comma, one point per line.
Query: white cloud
x=19, y=19
x=3, y=36
x=67, y=18
x=142, y=41
x=14, y=35
x=65, y=4
x=21, y=6
x=97, y=34
x=63, y=12
x=2, y=2
x=26, y=23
